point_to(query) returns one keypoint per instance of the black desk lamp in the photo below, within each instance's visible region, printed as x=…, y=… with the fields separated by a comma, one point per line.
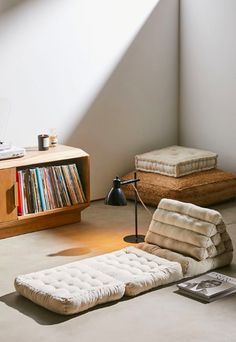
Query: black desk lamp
x=116, y=197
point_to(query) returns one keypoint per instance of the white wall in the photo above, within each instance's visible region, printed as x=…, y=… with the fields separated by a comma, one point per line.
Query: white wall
x=102, y=73
x=208, y=77
x=56, y=54
x=136, y=110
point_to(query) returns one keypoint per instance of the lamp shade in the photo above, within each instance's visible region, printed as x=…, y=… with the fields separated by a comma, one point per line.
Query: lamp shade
x=116, y=195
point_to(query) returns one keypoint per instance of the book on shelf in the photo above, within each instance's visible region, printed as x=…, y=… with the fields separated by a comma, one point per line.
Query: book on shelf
x=52, y=189
x=44, y=188
x=69, y=184
x=35, y=191
x=19, y=189
x=76, y=183
x=40, y=188
x=27, y=205
x=208, y=287
x=47, y=188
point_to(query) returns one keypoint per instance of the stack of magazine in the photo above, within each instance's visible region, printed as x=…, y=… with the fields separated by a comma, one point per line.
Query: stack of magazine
x=51, y=187
x=208, y=287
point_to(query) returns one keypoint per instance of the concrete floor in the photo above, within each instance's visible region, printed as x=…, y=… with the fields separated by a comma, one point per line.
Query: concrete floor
x=160, y=315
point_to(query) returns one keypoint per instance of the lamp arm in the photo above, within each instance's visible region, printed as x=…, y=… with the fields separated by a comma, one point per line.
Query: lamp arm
x=130, y=181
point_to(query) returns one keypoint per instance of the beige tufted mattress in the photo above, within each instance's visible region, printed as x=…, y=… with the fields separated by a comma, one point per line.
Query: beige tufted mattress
x=80, y=285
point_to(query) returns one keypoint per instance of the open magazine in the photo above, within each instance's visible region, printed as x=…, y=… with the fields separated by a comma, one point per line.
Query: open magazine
x=208, y=287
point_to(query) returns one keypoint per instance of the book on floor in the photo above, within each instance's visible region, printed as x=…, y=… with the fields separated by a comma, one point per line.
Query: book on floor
x=208, y=287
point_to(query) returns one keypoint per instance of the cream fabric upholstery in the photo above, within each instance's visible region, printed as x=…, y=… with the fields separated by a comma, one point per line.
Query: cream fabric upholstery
x=140, y=271
x=180, y=234
x=70, y=288
x=164, y=258
x=176, y=161
x=188, y=229
x=199, y=253
x=192, y=210
x=190, y=266
x=80, y=285
x=170, y=217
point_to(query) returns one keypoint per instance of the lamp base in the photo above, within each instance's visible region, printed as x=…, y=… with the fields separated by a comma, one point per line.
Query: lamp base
x=134, y=238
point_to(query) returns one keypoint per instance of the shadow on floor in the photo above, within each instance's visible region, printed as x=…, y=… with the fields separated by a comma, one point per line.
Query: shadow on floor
x=77, y=251
x=46, y=317
x=7, y=5
x=38, y=313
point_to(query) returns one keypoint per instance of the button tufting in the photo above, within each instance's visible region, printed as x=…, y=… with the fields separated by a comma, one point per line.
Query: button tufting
x=101, y=275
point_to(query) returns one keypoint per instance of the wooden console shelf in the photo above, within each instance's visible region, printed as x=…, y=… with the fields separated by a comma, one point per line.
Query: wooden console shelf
x=10, y=223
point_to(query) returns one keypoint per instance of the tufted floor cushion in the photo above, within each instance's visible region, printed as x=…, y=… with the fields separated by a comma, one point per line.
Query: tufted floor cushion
x=70, y=288
x=202, y=188
x=138, y=270
x=176, y=161
x=80, y=285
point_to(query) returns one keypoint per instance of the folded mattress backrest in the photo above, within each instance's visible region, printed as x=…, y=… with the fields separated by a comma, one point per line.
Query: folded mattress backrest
x=188, y=229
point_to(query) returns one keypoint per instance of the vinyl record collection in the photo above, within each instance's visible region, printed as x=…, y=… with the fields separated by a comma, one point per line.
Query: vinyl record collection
x=50, y=187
